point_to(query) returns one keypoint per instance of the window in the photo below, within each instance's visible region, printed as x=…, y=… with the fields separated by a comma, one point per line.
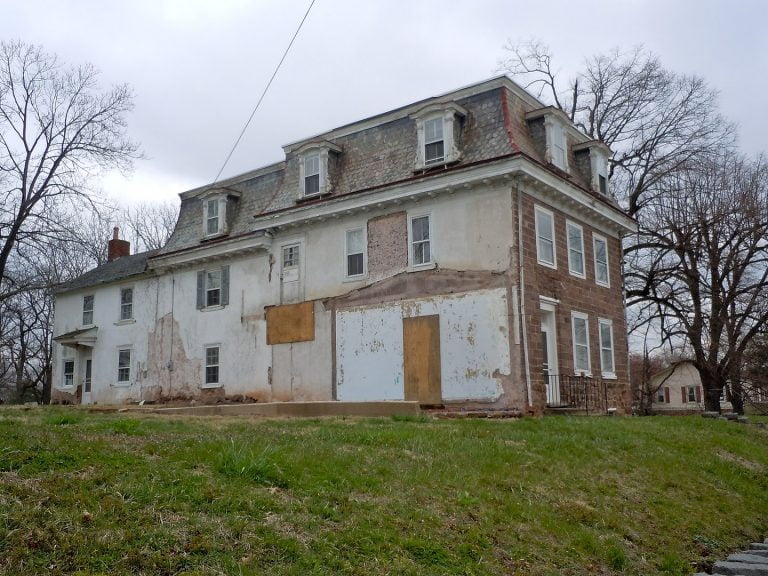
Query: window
x=355, y=250
x=545, y=237
x=434, y=146
x=600, y=246
x=421, y=252
x=124, y=365
x=438, y=134
x=558, y=150
x=290, y=256
x=603, y=184
x=213, y=287
x=691, y=395
x=212, y=217
x=660, y=396
x=575, y=249
x=211, y=365
x=126, y=304
x=580, y=328
x=69, y=373
x=606, y=348
x=88, y=310
x=311, y=174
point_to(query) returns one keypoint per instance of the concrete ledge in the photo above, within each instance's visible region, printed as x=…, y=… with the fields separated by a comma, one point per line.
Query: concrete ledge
x=299, y=409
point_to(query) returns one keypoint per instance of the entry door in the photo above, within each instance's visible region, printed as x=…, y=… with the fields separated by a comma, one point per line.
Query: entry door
x=421, y=362
x=549, y=357
x=87, y=382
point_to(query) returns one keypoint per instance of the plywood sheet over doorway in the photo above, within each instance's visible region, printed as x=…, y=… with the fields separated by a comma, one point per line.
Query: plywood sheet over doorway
x=421, y=359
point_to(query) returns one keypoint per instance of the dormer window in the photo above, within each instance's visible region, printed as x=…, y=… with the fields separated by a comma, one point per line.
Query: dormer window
x=558, y=146
x=212, y=217
x=311, y=174
x=549, y=129
x=316, y=168
x=434, y=146
x=438, y=128
x=600, y=170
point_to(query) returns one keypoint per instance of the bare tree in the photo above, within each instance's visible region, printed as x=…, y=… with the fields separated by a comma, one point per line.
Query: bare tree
x=148, y=225
x=57, y=131
x=703, y=271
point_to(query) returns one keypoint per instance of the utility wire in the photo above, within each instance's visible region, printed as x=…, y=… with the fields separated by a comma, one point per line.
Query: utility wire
x=264, y=93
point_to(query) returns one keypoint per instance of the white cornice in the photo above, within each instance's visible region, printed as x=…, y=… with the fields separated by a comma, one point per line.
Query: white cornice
x=528, y=172
x=214, y=251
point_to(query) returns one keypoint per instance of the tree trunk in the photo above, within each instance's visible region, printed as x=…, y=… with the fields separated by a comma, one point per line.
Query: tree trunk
x=711, y=386
x=737, y=397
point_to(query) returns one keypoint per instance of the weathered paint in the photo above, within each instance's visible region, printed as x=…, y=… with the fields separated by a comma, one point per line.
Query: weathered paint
x=474, y=346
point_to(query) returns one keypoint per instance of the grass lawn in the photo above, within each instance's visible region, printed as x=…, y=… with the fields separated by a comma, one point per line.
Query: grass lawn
x=85, y=493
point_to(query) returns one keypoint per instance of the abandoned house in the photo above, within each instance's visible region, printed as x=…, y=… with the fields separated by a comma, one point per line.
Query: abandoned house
x=462, y=251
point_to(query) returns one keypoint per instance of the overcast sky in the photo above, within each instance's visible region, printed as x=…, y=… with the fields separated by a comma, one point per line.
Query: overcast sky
x=198, y=67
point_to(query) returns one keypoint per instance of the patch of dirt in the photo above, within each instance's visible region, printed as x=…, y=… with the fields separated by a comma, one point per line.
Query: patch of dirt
x=734, y=459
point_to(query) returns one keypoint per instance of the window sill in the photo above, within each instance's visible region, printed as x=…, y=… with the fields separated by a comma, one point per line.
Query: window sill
x=603, y=284
x=420, y=267
x=575, y=275
x=609, y=376
x=122, y=385
x=216, y=236
x=212, y=308
x=583, y=374
x=360, y=278
x=312, y=197
x=208, y=386
x=87, y=326
x=124, y=322
x=547, y=264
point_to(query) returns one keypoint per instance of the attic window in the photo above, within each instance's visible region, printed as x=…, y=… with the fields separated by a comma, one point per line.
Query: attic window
x=438, y=131
x=315, y=168
x=557, y=143
x=215, y=215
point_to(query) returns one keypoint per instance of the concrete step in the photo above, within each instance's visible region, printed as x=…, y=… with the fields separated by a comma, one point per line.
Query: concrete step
x=759, y=546
x=739, y=569
x=748, y=558
x=757, y=551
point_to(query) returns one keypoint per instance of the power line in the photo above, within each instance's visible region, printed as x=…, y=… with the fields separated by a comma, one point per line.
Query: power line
x=264, y=93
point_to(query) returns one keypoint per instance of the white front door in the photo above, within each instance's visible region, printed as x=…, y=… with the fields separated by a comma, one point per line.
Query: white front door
x=549, y=357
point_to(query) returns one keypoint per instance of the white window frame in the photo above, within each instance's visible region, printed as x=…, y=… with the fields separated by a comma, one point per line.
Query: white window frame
x=690, y=391
x=209, y=289
x=578, y=250
x=557, y=142
x=88, y=313
x=430, y=241
x=206, y=365
x=121, y=367
x=580, y=370
x=364, y=252
x=71, y=374
x=549, y=214
x=438, y=120
x=448, y=112
x=220, y=201
x=607, y=282
x=295, y=260
x=126, y=305
x=606, y=371
x=600, y=168
x=315, y=157
x=661, y=397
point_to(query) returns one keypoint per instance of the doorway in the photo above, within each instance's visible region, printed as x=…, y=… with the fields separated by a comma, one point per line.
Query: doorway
x=421, y=359
x=87, y=371
x=549, y=364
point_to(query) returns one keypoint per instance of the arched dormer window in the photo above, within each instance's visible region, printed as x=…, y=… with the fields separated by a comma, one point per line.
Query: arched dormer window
x=438, y=130
x=315, y=178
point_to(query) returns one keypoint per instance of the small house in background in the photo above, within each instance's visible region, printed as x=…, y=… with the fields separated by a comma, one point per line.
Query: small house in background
x=461, y=251
x=677, y=389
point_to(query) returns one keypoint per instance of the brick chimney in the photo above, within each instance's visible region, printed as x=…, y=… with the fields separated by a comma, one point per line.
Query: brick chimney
x=117, y=248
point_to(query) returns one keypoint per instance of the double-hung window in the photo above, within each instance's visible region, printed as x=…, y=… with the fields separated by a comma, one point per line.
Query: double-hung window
x=545, y=237
x=606, y=348
x=434, y=144
x=212, y=217
x=600, y=246
x=88, y=310
x=559, y=146
x=355, y=252
x=69, y=373
x=311, y=174
x=212, y=363
x=124, y=366
x=575, y=249
x=421, y=242
x=213, y=287
x=580, y=329
x=126, y=304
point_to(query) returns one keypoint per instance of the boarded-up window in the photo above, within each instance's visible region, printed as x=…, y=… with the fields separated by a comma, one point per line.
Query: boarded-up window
x=291, y=323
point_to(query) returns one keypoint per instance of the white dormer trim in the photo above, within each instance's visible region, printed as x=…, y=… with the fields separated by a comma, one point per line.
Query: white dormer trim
x=599, y=154
x=216, y=200
x=320, y=150
x=447, y=112
x=557, y=141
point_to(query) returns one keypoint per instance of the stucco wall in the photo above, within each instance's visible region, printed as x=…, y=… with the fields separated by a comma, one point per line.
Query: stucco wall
x=474, y=347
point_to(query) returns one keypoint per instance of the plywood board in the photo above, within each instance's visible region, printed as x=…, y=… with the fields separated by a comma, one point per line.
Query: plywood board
x=421, y=362
x=291, y=323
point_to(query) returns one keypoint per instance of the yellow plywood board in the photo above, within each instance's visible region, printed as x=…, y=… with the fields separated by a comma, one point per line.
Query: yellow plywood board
x=421, y=362
x=291, y=323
